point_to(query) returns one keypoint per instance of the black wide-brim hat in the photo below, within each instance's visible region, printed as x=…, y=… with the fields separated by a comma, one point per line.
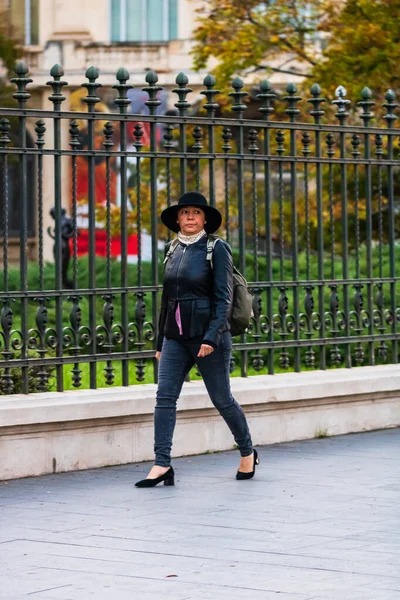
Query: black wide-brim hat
x=213, y=216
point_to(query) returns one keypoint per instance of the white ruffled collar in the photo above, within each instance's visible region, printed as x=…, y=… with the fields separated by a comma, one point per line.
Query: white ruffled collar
x=191, y=239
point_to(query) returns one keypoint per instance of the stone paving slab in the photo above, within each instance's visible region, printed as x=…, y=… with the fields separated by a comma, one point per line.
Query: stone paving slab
x=320, y=521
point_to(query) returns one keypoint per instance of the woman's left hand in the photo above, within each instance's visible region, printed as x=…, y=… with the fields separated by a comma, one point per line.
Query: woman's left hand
x=205, y=350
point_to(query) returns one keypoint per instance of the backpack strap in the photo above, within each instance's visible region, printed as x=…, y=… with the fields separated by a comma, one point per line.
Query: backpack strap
x=211, y=241
x=172, y=247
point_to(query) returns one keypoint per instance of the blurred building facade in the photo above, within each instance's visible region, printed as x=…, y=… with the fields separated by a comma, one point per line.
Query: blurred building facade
x=136, y=34
x=139, y=35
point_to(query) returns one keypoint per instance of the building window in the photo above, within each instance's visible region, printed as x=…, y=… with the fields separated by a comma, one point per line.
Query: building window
x=144, y=20
x=24, y=19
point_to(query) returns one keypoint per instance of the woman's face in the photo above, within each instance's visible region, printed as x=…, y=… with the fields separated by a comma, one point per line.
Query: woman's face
x=191, y=220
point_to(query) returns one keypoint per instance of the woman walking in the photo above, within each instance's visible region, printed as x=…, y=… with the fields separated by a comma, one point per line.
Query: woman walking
x=194, y=328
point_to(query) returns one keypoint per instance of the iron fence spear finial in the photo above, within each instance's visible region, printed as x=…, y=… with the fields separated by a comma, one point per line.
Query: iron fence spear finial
x=267, y=96
x=91, y=99
x=366, y=104
x=316, y=101
x=292, y=101
x=182, y=91
x=341, y=104
x=390, y=106
x=210, y=106
x=237, y=96
x=56, y=97
x=21, y=81
x=152, y=90
x=122, y=101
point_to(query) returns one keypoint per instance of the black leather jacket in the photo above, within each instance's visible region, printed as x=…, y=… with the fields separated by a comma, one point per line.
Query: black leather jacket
x=204, y=293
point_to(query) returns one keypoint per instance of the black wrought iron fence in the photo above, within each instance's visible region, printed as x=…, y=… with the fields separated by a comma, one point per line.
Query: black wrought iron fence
x=309, y=204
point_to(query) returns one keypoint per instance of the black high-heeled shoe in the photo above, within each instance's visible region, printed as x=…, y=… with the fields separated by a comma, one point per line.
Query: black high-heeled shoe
x=241, y=475
x=168, y=478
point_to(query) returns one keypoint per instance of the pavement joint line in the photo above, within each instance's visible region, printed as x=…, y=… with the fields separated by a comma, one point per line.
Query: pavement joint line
x=49, y=589
x=197, y=557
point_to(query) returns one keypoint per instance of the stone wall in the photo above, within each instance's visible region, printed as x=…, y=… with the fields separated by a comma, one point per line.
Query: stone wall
x=56, y=432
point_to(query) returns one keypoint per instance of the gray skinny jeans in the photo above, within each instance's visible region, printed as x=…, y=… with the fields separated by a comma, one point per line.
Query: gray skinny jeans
x=177, y=358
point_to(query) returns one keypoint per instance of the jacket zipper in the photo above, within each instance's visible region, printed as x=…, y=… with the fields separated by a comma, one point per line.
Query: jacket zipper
x=177, y=274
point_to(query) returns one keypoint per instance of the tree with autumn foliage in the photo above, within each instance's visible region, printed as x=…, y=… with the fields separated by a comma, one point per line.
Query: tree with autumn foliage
x=363, y=47
x=9, y=54
x=354, y=43
x=247, y=36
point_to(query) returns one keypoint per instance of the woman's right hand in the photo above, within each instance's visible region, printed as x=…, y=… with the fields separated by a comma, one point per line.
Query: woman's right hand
x=158, y=355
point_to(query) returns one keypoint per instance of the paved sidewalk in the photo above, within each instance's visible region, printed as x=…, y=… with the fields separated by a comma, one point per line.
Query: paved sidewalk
x=320, y=521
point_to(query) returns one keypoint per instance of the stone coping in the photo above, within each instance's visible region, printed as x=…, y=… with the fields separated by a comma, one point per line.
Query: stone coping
x=312, y=386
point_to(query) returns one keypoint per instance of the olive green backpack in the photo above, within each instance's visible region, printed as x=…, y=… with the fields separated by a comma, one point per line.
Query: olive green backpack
x=242, y=301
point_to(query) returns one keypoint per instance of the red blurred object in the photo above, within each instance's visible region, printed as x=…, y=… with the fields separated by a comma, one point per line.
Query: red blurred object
x=101, y=244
